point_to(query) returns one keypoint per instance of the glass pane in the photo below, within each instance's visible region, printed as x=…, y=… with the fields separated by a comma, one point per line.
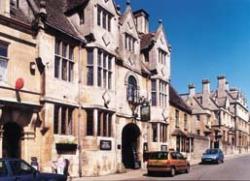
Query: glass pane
x=90, y=57
x=104, y=15
x=56, y=112
x=99, y=123
x=64, y=50
x=71, y=53
x=71, y=71
x=110, y=80
x=154, y=127
x=3, y=70
x=57, y=66
x=90, y=74
x=3, y=51
x=57, y=47
x=99, y=16
x=64, y=69
x=109, y=22
x=153, y=82
x=110, y=63
x=154, y=102
x=63, y=123
x=3, y=169
x=105, y=61
x=99, y=58
x=20, y=168
x=90, y=125
x=104, y=78
x=110, y=125
x=99, y=78
x=70, y=122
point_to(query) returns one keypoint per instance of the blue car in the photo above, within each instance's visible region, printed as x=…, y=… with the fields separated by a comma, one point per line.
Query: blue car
x=213, y=156
x=19, y=170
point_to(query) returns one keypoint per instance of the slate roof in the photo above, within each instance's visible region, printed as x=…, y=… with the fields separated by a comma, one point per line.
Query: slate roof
x=147, y=40
x=72, y=4
x=17, y=14
x=177, y=101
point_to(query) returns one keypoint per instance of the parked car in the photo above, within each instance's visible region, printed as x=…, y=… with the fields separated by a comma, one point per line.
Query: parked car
x=212, y=156
x=167, y=162
x=19, y=170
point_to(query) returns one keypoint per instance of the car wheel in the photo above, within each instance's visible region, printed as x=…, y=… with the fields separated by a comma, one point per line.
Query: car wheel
x=172, y=171
x=188, y=169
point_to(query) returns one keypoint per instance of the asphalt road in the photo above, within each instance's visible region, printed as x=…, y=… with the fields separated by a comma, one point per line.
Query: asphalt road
x=233, y=169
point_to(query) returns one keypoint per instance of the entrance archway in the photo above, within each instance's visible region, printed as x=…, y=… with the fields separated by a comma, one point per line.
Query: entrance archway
x=12, y=133
x=130, y=144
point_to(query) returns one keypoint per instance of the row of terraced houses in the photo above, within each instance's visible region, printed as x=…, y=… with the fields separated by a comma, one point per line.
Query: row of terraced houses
x=83, y=80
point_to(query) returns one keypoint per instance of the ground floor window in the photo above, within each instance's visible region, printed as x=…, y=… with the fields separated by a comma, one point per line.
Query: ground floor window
x=104, y=122
x=161, y=129
x=63, y=120
x=184, y=144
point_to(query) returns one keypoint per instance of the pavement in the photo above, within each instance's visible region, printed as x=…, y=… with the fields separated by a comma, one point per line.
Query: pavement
x=140, y=174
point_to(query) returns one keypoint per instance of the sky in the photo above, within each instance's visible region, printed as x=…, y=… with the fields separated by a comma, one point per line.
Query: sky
x=208, y=38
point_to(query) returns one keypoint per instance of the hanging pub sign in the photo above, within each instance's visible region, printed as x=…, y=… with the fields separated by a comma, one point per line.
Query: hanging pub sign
x=145, y=111
x=105, y=145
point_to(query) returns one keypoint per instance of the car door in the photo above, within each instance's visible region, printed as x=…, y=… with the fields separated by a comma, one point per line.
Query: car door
x=181, y=161
x=21, y=171
x=4, y=174
x=175, y=161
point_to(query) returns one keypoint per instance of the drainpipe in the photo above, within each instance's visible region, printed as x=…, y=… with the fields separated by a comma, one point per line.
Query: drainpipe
x=79, y=113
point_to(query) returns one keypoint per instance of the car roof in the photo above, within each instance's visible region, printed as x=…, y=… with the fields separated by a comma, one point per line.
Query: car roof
x=10, y=159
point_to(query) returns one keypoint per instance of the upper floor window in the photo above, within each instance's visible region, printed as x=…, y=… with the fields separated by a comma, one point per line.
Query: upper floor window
x=153, y=92
x=3, y=61
x=177, y=116
x=64, y=61
x=104, y=18
x=132, y=90
x=162, y=56
x=162, y=93
x=63, y=120
x=130, y=43
x=90, y=67
x=104, y=69
x=159, y=93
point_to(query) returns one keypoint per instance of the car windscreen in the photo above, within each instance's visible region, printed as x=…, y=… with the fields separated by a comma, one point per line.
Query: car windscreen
x=158, y=155
x=212, y=151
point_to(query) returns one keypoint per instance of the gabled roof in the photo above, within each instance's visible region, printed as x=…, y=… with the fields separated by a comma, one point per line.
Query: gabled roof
x=73, y=4
x=177, y=101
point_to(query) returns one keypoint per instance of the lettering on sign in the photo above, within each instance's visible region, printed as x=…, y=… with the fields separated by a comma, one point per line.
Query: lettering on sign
x=105, y=145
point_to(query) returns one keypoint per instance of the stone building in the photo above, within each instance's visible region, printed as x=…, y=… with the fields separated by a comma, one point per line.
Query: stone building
x=180, y=125
x=90, y=74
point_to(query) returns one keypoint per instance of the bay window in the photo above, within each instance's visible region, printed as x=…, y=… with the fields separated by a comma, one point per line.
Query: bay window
x=63, y=120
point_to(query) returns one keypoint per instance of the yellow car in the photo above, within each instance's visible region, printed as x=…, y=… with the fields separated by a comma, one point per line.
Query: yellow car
x=167, y=162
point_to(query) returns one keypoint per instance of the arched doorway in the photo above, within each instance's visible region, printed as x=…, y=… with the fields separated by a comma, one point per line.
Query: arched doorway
x=130, y=144
x=12, y=133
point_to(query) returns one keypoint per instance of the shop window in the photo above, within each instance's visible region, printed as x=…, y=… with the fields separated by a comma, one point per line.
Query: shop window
x=177, y=118
x=155, y=132
x=104, y=124
x=64, y=61
x=130, y=43
x=90, y=67
x=104, y=18
x=63, y=120
x=90, y=122
x=3, y=61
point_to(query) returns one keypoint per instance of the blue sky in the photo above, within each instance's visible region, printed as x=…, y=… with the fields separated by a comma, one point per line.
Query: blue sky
x=208, y=38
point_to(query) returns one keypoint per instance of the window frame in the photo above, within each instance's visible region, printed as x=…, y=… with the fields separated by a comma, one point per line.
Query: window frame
x=104, y=18
x=64, y=53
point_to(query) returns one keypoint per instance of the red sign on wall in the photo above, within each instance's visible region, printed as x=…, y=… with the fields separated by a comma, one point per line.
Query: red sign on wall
x=19, y=83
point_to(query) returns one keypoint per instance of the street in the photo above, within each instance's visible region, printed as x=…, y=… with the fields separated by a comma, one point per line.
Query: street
x=236, y=168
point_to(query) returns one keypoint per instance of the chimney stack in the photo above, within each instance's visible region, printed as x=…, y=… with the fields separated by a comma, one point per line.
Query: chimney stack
x=191, y=88
x=142, y=21
x=222, y=85
x=206, y=86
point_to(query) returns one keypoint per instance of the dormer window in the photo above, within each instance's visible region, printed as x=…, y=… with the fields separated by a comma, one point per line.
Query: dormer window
x=104, y=18
x=130, y=43
x=162, y=56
